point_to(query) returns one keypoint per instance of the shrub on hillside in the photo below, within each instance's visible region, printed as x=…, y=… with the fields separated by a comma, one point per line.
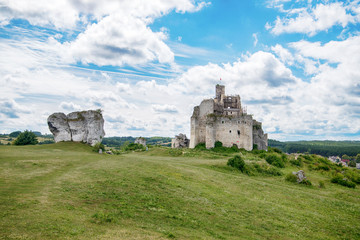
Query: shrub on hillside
x=322, y=167
x=352, y=164
x=135, y=146
x=275, y=150
x=353, y=175
x=218, y=144
x=306, y=182
x=219, y=148
x=98, y=146
x=296, y=162
x=340, y=179
x=237, y=162
x=267, y=170
x=275, y=160
x=321, y=184
x=200, y=146
x=291, y=178
x=26, y=138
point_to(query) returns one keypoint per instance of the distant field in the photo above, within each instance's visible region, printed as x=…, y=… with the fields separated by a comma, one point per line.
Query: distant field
x=66, y=191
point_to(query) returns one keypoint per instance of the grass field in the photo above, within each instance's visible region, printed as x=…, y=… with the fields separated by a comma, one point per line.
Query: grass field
x=66, y=191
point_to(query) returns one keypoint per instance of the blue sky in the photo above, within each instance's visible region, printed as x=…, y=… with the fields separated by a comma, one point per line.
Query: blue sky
x=295, y=64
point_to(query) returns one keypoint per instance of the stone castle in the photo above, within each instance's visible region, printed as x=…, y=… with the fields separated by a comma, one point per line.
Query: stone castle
x=223, y=119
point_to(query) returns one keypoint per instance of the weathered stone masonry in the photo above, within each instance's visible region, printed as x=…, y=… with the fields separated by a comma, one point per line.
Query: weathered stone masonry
x=223, y=119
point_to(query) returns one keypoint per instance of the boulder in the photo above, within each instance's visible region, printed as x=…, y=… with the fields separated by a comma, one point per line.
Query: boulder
x=180, y=141
x=140, y=140
x=59, y=127
x=85, y=126
x=300, y=176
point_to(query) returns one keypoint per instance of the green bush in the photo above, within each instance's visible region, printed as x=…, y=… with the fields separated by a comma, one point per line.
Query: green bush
x=98, y=146
x=267, y=170
x=275, y=160
x=322, y=167
x=321, y=184
x=26, y=138
x=237, y=162
x=275, y=150
x=306, y=182
x=219, y=148
x=353, y=175
x=218, y=144
x=339, y=179
x=291, y=178
x=135, y=146
x=352, y=164
x=296, y=162
x=200, y=146
x=262, y=155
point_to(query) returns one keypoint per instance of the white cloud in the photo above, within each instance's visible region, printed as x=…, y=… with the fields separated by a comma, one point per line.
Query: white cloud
x=70, y=106
x=117, y=41
x=312, y=20
x=164, y=108
x=284, y=54
x=323, y=107
x=118, y=34
x=255, y=39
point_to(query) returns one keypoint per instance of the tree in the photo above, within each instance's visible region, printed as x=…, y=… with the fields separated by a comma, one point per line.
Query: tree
x=352, y=164
x=26, y=138
x=358, y=158
x=345, y=156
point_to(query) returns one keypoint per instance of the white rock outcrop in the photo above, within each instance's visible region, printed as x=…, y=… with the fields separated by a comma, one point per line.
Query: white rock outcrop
x=180, y=141
x=140, y=140
x=85, y=126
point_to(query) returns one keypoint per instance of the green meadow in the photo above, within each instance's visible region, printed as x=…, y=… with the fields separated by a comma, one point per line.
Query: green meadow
x=67, y=191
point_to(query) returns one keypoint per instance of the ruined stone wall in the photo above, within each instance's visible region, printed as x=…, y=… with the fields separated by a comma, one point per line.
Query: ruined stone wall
x=232, y=102
x=259, y=138
x=223, y=119
x=231, y=131
x=198, y=121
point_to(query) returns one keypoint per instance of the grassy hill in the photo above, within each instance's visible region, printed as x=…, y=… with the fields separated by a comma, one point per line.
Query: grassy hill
x=66, y=191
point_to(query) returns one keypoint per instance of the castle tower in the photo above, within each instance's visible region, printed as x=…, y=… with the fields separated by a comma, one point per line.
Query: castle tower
x=220, y=92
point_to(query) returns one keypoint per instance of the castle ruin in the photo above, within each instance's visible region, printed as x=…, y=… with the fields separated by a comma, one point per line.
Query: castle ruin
x=223, y=119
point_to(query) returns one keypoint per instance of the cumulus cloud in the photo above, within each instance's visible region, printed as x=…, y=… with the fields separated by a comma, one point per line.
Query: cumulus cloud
x=311, y=20
x=116, y=40
x=11, y=109
x=70, y=106
x=164, y=108
x=111, y=32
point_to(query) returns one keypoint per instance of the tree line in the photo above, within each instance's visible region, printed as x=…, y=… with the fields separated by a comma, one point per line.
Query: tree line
x=324, y=148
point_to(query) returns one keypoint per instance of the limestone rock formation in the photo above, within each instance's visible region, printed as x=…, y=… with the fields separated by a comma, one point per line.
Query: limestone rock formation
x=140, y=140
x=59, y=127
x=180, y=141
x=85, y=126
x=300, y=176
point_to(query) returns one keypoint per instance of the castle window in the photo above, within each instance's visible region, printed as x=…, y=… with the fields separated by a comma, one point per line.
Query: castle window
x=239, y=132
x=230, y=131
x=238, y=121
x=222, y=122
